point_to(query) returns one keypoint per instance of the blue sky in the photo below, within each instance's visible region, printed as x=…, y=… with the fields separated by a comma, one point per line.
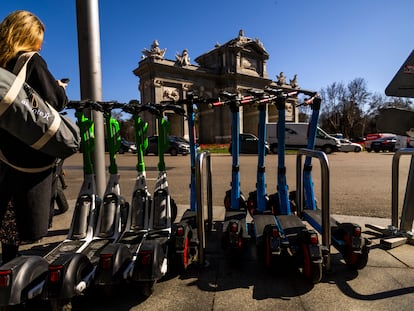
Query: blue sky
x=323, y=41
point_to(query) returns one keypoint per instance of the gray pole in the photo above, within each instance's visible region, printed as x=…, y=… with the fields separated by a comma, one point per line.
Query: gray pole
x=87, y=12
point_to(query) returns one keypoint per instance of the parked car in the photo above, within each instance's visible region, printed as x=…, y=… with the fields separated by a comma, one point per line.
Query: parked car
x=248, y=143
x=358, y=140
x=348, y=146
x=178, y=145
x=127, y=146
x=384, y=144
x=374, y=136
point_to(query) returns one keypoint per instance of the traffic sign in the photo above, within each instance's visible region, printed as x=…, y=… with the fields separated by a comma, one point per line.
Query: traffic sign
x=402, y=85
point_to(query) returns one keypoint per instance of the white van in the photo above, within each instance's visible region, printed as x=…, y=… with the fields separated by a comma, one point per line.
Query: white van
x=296, y=137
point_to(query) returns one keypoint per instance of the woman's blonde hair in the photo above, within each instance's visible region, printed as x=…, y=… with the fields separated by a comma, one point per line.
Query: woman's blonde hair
x=19, y=31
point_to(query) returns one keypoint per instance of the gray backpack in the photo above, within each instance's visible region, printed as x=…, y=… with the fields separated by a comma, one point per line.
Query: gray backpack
x=26, y=116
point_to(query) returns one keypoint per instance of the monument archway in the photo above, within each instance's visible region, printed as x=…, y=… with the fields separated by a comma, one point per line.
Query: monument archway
x=236, y=66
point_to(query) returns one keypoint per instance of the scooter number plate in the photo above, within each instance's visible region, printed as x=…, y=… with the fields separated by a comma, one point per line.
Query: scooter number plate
x=356, y=243
x=314, y=251
x=275, y=244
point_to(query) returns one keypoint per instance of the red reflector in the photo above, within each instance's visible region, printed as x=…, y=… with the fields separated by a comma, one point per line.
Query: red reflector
x=145, y=257
x=275, y=233
x=234, y=227
x=314, y=238
x=54, y=273
x=357, y=231
x=250, y=204
x=106, y=261
x=5, y=276
x=180, y=231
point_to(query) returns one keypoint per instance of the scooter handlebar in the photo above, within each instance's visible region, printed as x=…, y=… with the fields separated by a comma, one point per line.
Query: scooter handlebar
x=103, y=106
x=84, y=104
x=233, y=99
x=135, y=108
x=289, y=91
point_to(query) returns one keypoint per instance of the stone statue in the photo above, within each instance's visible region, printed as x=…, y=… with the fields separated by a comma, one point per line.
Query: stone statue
x=183, y=59
x=241, y=39
x=281, y=79
x=294, y=82
x=155, y=51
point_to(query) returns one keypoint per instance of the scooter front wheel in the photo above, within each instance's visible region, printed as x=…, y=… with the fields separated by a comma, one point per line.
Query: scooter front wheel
x=227, y=200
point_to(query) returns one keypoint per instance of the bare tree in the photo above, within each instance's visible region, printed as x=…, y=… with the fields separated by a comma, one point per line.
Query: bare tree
x=344, y=106
x=332, y=97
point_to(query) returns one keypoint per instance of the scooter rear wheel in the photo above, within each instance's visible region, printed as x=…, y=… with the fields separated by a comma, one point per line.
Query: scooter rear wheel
x=182, y=259
x=356, y=260
x=311, y=270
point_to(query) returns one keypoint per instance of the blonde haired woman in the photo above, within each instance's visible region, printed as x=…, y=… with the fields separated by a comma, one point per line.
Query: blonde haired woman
x=29, y=193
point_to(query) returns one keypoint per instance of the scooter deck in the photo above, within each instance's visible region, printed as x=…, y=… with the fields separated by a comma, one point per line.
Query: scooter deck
x=261, y=221
x=235, y=215
x=189, y=217
x=70, y=246
x=133, y=240
x=132, y=237
x=161, y=236
x=94, y=248
x=314, y=218
x=291, y=225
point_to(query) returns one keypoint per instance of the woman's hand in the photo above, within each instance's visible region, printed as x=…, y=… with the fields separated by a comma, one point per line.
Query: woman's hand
x=62, y=84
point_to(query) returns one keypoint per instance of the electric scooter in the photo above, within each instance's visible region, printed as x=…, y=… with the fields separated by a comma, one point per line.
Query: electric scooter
x=24, y=277
x=71, y=273
x=345, y=237
x=153, y=256
x=113, y=267
x=278, y=231
x=186, y=233
x=235, y=227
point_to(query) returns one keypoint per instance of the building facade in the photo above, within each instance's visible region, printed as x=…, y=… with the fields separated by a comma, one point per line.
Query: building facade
x=236, y=66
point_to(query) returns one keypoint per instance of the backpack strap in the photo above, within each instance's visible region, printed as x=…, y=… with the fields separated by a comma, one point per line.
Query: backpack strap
x=25, y=169
x=22, y=61
x=18, y=83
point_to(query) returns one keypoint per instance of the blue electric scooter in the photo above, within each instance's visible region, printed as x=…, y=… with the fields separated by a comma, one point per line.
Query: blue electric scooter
x=235, y=227
x=345, y=237
x=277, y=230
x=186, y=232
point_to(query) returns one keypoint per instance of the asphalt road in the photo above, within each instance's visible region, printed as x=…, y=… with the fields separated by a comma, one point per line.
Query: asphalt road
x=360, y=185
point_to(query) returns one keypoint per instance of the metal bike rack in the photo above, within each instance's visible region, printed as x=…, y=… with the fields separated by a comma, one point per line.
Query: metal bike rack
x=325, y=189
x=203, y=158
x=394, y=236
